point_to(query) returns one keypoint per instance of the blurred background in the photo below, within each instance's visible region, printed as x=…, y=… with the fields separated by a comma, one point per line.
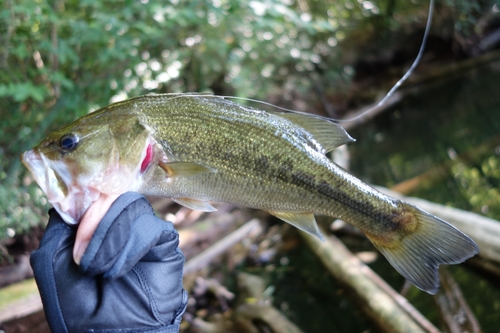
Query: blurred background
x=437, y=138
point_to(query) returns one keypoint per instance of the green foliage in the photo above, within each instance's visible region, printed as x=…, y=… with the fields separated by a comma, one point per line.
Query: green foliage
x=480, y=185
x=61, y=59
x=21, y=210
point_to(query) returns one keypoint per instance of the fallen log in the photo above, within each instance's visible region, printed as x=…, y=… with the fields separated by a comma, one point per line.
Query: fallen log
x=18, y=272
x=455, y=312
x=384, y=306
x=255, y=310
x=275, y=320
x=19, y=300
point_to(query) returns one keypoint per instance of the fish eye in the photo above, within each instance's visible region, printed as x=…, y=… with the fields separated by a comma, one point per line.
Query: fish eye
x=69, y=142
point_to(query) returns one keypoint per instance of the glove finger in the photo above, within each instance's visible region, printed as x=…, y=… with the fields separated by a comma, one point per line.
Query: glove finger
x=166, y=247
x=145, y=234
x=113, y=232
x=46, y=268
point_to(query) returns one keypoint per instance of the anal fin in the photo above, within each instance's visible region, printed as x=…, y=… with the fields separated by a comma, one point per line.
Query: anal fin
x=195, y=204
x=303, y=221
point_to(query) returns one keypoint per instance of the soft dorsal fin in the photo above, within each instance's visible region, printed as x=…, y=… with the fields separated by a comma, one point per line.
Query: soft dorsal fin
x=195, y=204
x=303, y=221
x=327, y=133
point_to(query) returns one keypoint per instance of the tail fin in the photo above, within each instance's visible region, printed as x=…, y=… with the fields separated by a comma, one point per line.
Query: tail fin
x=434, y=242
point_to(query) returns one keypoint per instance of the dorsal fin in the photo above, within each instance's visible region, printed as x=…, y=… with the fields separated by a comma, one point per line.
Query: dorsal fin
x=327, y=133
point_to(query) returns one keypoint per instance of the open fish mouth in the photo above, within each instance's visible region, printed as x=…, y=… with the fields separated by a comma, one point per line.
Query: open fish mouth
x=54, y=178
x=72, y=191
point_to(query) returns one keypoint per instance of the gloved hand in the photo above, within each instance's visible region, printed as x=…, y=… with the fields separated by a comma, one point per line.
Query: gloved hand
x=129, y=279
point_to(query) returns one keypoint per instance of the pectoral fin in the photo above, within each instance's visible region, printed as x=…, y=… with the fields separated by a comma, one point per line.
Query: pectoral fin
x=185, y=169
x=303, y=221
x=195, y=204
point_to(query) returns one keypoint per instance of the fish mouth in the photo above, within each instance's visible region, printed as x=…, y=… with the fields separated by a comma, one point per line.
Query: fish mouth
x=72, y=192
x=54, y=178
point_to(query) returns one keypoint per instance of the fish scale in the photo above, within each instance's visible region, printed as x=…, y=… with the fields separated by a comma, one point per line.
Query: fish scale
x=198, y=149
x=210, y=149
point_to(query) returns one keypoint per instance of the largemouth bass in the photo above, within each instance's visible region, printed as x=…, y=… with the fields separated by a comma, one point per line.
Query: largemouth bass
x=200, y=149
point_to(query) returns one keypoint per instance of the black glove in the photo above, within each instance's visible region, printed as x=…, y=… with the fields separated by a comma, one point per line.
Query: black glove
x=129, y=279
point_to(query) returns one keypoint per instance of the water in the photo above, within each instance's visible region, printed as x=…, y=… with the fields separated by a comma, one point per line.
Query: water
x=443, y=145
x=311, y=298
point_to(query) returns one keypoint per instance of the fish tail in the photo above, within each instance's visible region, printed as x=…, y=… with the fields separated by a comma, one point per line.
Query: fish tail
x=417, y=253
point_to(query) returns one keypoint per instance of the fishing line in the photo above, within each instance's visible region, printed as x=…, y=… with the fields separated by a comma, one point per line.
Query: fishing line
x=398, y=84
x=408, y=73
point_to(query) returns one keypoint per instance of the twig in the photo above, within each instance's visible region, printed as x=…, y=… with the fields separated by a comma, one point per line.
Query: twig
x=492, y=269
x=213, y=286
x=439, y=171
x=453, y=307
x=207, y=231
x=388, y=309
x=255, y=308
x=202, y=260
x=269, y=315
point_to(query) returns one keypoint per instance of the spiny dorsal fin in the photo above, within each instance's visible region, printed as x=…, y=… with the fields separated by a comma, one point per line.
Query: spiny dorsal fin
x=185, y=169
x=327, y=133
x=195, y=204
x=303, y=221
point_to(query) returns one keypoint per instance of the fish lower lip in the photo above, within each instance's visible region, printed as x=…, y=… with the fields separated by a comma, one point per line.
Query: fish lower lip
x=43, y=174
x=69, y=200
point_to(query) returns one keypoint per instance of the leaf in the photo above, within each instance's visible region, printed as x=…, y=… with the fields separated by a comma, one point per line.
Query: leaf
x=59, y=77
x=21, y=92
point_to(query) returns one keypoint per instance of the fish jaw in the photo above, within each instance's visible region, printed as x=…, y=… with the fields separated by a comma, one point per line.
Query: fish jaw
x=71, y=193
x=75, y=204
x=44, y=176
x=55, y=180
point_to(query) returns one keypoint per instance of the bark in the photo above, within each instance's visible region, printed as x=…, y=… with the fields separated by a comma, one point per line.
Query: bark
x=455, y=312
x=255, y=311
x=19, y=300
x=17, y=272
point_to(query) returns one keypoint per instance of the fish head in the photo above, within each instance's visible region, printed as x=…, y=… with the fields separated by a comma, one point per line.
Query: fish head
x=97, y=154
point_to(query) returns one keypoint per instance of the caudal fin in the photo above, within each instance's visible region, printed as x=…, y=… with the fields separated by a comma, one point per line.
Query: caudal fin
x=434, y=242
